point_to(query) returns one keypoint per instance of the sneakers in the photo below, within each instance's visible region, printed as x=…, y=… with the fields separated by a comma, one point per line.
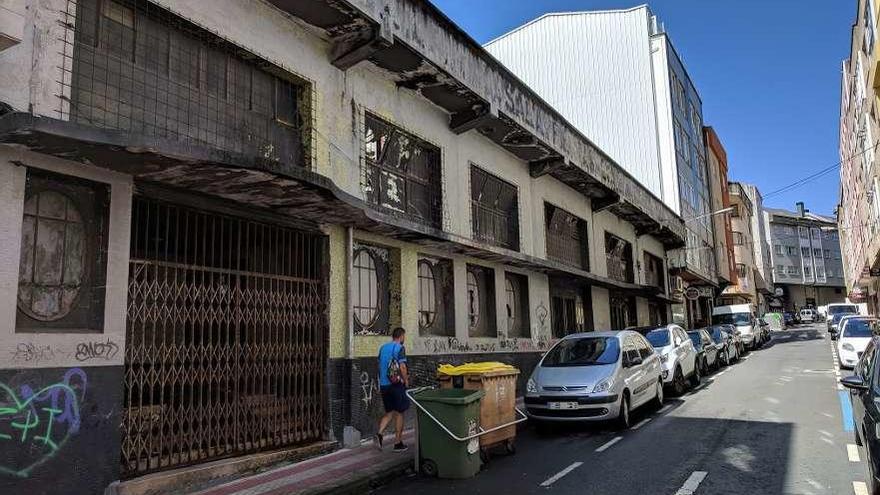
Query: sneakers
x=400, y=447
x=378, y=441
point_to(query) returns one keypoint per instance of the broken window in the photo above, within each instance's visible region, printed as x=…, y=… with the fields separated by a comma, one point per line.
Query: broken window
x=516, y=288
x=654, y=271
x=566, y=237
x=63, y=256
x=494, y=210
x=370, y=289
x=623, y=310
x=402, y=172
x=141, y=69
x=618, y=255
x=481, y=301
x=436, y=298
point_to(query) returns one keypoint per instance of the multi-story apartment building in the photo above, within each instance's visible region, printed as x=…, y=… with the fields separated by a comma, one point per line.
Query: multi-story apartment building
x=607, y=70
x=725, y=259
x=744, y=288
x=210, y=226
x=858, y=211
x=807, y=266
x=760, y=245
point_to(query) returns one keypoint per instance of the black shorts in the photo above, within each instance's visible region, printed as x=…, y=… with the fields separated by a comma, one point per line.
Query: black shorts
x=394, y=398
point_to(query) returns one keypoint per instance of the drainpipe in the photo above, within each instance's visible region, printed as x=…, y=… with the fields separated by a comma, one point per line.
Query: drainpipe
x=349, y=303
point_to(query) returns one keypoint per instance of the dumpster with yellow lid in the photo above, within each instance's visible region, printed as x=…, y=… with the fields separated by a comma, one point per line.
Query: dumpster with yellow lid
x=498, y=405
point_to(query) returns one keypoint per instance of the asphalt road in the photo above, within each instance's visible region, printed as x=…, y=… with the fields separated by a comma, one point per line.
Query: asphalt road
x=774, y=423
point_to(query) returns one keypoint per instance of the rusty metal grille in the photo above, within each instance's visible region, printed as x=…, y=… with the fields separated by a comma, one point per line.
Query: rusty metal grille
x=226, y=337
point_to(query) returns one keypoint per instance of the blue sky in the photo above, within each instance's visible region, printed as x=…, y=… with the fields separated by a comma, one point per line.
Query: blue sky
x=768, y=72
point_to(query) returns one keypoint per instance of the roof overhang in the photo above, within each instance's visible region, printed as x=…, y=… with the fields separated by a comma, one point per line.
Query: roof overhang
x=295, y=194
x=422, y=50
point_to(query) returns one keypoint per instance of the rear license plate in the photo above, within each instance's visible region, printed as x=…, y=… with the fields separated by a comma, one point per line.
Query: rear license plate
x=562, y=405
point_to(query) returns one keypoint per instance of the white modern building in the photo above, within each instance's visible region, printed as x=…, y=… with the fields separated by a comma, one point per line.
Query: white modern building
x=617, y=77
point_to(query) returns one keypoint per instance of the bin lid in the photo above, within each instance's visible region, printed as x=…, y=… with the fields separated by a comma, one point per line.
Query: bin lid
x=474, y=368
x=454, y=396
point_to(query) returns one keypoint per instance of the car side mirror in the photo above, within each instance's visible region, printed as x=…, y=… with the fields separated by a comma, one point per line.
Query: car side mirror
x=854, y=382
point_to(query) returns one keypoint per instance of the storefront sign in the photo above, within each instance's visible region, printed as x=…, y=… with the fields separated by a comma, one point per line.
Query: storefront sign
x=692, y=293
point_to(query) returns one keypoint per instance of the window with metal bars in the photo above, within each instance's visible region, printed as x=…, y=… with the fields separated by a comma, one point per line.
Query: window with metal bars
x=402, y=172
x=494, y=209
x=370, y=289
x=436, y=297
x=63, y=262
x=481, y=301
x=619, y=258
x=738, y=238
x=138, y=68
x=516, y=289
x=566, y=237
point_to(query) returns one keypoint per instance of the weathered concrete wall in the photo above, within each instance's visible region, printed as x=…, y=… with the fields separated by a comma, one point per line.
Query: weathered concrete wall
x=59, y=429
x=59, y=348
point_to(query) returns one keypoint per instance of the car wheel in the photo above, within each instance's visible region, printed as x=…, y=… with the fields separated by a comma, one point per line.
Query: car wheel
x=623, y=415
x=695, y=377
x=658, y=396
x=727, y=357
x=678, y=381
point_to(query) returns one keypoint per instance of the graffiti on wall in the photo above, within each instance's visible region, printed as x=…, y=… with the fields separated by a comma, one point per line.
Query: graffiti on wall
x=367, y=387
x=452, y=345
x=90, y=350
x=37, y=420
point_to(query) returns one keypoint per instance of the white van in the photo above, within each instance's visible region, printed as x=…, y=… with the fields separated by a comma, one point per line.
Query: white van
x=742, y=316
x=808, y=315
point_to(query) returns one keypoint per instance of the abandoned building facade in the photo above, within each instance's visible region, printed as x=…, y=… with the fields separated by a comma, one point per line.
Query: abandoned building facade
x=212, y=218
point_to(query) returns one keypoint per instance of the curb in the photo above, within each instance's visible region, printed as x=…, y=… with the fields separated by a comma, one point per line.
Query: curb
x=366, y=479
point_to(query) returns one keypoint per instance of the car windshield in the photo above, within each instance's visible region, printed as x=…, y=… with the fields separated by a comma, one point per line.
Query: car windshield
x=695, y=338
x=586, y=351
x=732, y=319
x=658, y=338
x=858, y=327
x=839, y=316
x=716, y=334
x=836, y=310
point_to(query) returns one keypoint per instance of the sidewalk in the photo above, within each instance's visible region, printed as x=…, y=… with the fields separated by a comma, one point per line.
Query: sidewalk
x=353, y=470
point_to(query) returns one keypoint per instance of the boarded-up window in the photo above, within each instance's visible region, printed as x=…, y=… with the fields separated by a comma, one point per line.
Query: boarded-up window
x=63, y=255
x=436, y=297
x=618, y=257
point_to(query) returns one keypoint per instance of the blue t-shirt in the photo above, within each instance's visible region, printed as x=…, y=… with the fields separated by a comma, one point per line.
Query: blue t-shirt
x=388, y=351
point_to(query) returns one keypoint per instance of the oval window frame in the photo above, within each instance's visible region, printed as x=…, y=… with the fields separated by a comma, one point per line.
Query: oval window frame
x=376, y=311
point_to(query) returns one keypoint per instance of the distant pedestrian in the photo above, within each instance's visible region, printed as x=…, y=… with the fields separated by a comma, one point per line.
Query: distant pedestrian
x=393, y=379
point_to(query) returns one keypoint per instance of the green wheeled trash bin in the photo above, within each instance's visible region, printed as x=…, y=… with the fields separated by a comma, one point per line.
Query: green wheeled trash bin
x=458, y=410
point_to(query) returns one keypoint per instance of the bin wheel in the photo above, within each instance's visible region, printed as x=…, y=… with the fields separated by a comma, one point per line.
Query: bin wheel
x=510, y=447
x=429, y=468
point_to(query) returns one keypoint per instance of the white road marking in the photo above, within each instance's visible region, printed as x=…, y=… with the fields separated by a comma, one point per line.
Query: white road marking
x=640, y=424
x=556, y=477
x=860, y=488
x=690, y=486
x=852, y=451
x=608, y=444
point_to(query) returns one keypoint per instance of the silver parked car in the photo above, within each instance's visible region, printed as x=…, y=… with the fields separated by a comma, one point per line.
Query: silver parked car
x=677, y=356
x=595, y=376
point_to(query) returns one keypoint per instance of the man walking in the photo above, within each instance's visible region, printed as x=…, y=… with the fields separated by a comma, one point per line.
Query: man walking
x=393, y=379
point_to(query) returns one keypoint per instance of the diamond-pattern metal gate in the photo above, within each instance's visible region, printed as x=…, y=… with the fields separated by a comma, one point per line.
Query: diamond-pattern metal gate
x=226, y=336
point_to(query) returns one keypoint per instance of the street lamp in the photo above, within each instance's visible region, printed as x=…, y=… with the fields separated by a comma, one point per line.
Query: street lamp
x=722, y=211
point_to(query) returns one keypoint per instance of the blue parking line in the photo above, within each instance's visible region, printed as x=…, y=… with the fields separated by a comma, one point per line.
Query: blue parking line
x=846, y=410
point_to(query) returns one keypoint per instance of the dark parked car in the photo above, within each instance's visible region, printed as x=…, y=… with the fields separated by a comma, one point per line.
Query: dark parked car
x=788, y=317
x=707, y=350
x=864, y=387
x=724, y=335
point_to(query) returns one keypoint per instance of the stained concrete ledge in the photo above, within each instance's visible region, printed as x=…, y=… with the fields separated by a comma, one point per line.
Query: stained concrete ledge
x=182, y=480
